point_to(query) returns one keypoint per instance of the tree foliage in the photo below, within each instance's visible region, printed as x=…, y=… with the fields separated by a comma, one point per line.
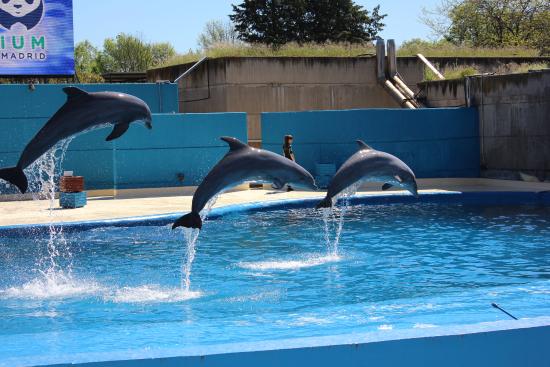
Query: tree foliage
x=493, y=23
x=125, y=53
x=86, y=66
x=218, y=32
x=277, y=22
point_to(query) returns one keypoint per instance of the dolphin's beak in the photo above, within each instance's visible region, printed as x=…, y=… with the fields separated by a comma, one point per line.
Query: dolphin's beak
x=148, y=123
x=415, y=192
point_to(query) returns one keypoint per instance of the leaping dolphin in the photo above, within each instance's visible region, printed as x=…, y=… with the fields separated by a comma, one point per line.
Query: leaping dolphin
x=81, y=112
x=372, y=165
x=244, y=163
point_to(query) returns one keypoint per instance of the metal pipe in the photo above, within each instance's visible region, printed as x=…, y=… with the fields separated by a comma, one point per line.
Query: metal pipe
x=401, y=84
x=381, y=60
x=406, y=91
x=391, y=59
x=403, y=101
x=188, y=71
x=430, y=66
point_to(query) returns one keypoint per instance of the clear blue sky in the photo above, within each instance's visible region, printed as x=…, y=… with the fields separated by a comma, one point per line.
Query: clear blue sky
x=181, y=21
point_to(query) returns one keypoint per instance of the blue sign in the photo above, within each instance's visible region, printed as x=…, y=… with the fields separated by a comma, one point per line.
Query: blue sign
x=36, y=37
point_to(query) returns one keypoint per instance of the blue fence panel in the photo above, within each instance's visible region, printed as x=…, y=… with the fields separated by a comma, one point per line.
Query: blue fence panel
x=433, y=142
x=20, y=102
x=185, y=144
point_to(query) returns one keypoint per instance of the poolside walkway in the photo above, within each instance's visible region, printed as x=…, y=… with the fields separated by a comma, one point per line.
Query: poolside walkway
x=34, y=212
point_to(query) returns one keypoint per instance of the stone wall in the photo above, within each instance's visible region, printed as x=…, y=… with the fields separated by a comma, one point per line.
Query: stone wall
x=514, y=118
x=256, y=85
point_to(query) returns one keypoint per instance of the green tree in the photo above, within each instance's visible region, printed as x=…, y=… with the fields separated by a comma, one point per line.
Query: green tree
x=161, y=53
x=86, y=66
x=127, y=53
x=216, y=32
x=492, y=23
x=277, y=22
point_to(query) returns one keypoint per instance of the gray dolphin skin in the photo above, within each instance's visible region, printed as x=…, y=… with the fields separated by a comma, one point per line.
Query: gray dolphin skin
x=244, y=163
x=372, y=165
x=81, y=111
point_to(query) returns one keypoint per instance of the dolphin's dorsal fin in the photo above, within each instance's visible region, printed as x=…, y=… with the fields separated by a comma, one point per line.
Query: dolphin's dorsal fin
x=74, y=92
x=234, y=143
x=363, y=145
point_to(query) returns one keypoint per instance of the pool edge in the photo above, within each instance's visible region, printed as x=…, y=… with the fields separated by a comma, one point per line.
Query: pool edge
x=455, y=197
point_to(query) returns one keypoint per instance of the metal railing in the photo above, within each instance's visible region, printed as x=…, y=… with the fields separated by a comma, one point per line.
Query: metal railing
x=190, y=70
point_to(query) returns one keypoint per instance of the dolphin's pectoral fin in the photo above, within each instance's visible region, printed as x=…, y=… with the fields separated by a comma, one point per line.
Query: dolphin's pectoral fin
x=118, y=131
x=363, y=145
x=234, y=143
x=386, y=186
x=74, y=92
x=398, y=178
x=277, y=184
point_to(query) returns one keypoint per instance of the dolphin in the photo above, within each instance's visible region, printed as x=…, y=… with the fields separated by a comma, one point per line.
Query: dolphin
x=369, y=164
x=81, y=111
x=244, y=163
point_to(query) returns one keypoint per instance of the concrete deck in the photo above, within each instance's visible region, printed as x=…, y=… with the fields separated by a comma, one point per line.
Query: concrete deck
x=34, y=212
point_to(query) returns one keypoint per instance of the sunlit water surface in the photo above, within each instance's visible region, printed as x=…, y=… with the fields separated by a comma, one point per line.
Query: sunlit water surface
x=271, y=275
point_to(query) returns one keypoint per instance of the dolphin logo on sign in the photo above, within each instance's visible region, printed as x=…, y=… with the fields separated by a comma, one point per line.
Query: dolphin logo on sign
x=26, y=12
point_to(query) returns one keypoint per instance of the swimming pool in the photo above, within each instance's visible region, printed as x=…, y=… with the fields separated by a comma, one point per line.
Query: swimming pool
x=269, y=275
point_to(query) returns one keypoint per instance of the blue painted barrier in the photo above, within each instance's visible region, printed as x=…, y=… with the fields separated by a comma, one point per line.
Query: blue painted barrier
x=433, y=142
x=18, y=102
x=187, y=145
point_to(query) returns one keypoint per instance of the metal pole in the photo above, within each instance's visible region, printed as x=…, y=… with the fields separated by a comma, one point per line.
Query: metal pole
x=430, y=66
x=503, y=310
x=188, y=71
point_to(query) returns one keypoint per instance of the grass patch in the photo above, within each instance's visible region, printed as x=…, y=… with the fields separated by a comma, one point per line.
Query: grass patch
x=447, y=49
x=525, y=68
x=288, y=50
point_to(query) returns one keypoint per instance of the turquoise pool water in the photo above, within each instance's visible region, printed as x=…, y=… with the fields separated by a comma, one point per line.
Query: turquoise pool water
x=270, y=275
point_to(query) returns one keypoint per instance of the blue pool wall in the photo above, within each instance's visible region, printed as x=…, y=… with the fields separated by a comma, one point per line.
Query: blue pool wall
x=497, y=198
x=473, y=346
x=20, y=103
x=186, y=144
x=435, y=142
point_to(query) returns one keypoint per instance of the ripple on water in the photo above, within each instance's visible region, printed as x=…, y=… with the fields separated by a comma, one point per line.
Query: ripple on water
x=151, y=294
x=290, y=264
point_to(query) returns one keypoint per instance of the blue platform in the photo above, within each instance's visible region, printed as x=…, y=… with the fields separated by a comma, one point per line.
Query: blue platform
x=72, y=200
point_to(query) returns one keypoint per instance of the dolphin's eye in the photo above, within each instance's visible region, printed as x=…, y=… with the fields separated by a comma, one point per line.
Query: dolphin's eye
x=29, y=2
x=5, y=1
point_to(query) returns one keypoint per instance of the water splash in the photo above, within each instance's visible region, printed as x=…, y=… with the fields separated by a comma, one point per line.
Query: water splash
x=333, y=220
x=191, y=237
x=55, y=264
x=43, y=175
x=149, y=294
x=307, y=262
x=49, y=287
x=70, y=288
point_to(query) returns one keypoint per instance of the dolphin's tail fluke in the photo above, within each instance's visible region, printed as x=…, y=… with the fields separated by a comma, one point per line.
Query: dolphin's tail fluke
x=325, y=203
x=191, y=220
x=15, y=176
